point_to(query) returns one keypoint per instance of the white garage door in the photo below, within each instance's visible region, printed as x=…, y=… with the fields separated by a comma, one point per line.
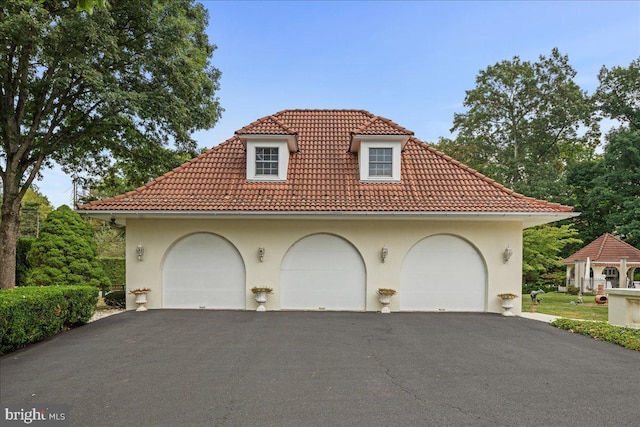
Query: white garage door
x=322, y=272
x=203, y=271
x=443, y=273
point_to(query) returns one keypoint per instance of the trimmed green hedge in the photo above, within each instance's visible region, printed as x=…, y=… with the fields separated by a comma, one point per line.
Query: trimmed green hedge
x=602, y=331
x=115, y=269
x=30, y=314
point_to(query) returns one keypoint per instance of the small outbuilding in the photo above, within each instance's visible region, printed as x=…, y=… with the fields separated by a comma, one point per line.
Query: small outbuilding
x=606, y=261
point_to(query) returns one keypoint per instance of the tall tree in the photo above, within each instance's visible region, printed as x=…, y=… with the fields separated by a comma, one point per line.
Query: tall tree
x=525, y=122
x=80, y=89
x=593, y=202
x=607, y=189
x=618, y=95
x=618, y=188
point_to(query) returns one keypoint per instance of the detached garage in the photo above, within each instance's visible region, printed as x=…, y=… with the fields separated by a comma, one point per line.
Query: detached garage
x=325, y=207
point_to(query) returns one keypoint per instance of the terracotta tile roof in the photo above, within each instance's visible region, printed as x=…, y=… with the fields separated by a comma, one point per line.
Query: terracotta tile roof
x=605, y=249
x=323, y=176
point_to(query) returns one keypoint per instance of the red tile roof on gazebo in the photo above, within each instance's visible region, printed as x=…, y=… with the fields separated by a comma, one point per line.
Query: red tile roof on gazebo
x=605, y=249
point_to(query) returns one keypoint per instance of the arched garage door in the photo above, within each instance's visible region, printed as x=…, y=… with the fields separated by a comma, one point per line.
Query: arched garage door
x=443, y=273
x=203, y=271
x=322, y=272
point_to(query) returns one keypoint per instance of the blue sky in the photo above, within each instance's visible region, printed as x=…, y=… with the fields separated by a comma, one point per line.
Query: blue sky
x=408, y=61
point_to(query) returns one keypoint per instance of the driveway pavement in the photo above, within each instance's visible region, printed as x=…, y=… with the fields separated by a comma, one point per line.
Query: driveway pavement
x=173, y=368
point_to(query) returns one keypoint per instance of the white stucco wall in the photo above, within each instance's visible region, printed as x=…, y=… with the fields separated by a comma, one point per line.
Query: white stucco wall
x=490, y=238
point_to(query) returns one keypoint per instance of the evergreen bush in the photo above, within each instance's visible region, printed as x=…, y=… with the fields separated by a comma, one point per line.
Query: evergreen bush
x=64, y=254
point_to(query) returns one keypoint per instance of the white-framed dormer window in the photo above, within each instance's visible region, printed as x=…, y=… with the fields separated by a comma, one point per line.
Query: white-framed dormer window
x=380, y=162
x=267, y=161
x=379, y=156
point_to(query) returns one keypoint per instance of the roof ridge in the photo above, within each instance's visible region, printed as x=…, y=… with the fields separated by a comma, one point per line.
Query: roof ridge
x=601, y=248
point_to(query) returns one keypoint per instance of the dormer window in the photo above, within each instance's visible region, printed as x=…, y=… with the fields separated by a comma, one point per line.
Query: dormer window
x=381, y=162
x=379, y=157
x=267, y=161
x=268, y=157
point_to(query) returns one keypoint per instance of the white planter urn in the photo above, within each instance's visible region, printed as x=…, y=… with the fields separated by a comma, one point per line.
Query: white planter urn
x=261, y=298
x=508, y=302
x=141, y=300
x=384, y=296
x=260, y=294
x=385, y=300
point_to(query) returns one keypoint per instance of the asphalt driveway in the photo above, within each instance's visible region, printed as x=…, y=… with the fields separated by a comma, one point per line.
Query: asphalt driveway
x=173, y=368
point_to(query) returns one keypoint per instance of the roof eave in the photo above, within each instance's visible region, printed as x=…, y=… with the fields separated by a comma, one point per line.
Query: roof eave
x=528, y=219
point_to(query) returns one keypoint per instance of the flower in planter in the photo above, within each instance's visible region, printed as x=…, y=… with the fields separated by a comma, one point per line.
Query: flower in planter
x=139, y=291
x=508, y=295
x=258, y=289
x=386, y=291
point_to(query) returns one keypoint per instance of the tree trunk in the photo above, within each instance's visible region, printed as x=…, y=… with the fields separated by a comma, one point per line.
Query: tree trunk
x=9, y=226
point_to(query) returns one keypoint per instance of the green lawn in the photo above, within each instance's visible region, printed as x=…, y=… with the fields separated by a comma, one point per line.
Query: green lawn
x=559, y=304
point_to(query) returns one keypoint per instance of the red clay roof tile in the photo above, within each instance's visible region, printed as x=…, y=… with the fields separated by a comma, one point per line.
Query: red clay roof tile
x=324, y=176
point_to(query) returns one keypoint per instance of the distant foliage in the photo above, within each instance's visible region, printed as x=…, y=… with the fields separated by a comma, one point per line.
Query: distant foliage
x=542, y=248
x=65, y=253
x=115, y=269
x=110, y=242
x=22, y=264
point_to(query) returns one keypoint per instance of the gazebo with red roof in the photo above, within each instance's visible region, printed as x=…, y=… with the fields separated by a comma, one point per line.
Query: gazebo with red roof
x=608, y=258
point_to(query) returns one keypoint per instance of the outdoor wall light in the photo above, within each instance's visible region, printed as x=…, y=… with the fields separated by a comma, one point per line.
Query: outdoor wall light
x=140, y=252
x=507, y=254
x=384, y=253
x=261, y=252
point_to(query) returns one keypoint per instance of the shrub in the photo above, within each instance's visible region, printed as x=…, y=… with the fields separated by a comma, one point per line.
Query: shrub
x=602, y=331
x=115, y=269
x=64, y=254
x=573, y=290
x=116, y=299
x=31, y=314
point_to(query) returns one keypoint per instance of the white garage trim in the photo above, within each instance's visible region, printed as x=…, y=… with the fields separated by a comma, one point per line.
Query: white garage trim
x=443, y=273
x=203, y=270
x=322, y=272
